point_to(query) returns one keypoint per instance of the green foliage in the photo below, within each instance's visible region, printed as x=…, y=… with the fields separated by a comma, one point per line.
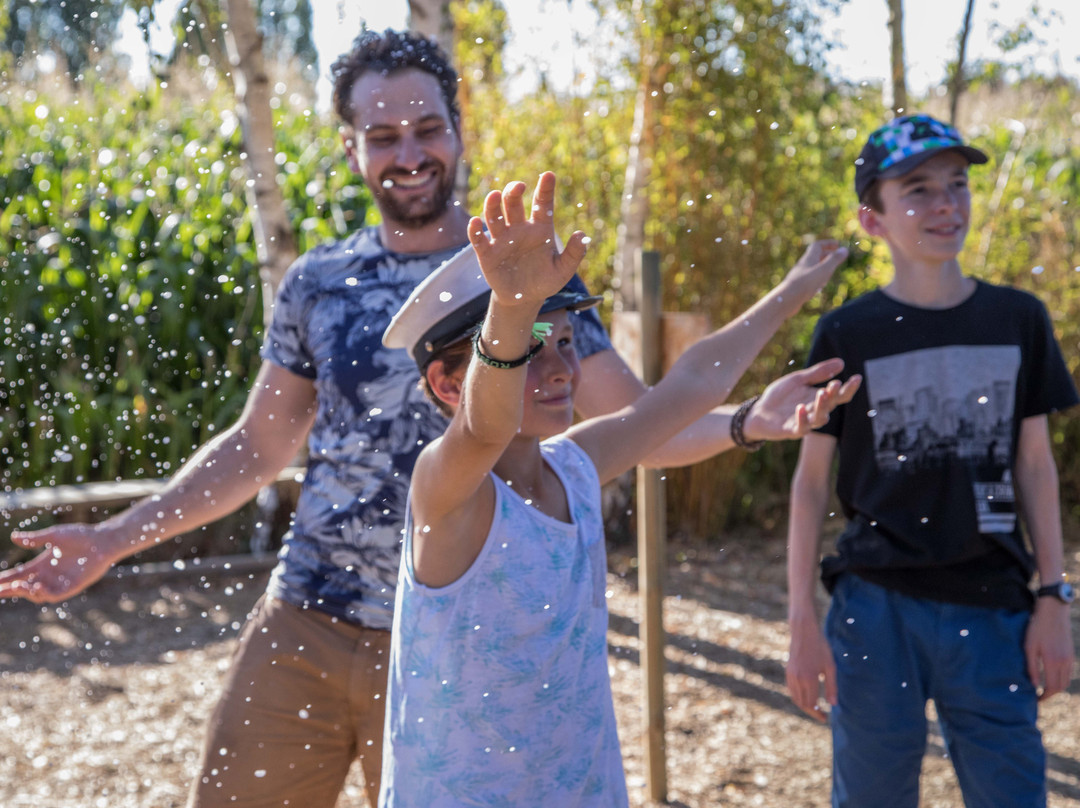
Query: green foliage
x=133, y=313
x=1028, y=234
x=1026, y=30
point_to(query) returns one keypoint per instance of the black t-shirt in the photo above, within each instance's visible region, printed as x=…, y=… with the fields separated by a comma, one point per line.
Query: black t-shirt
x=927, y=446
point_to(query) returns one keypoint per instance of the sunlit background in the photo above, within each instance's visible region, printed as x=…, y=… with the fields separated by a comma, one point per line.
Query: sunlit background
x=133, y=314
x=546, y=34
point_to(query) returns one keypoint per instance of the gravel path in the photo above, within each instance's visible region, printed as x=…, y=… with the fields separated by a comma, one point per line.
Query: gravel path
x=103, y=700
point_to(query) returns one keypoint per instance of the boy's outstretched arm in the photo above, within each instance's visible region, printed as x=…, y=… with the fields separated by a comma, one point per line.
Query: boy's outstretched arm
x=1048, y=645
x=788, y=409
x=703, y=377
x=810, y=661
x=523, y=266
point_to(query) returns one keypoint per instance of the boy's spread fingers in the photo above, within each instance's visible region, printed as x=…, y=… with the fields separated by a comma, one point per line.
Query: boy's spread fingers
x=835, y=257
x=803, y=419
x=576, y=247
x=493, y=214
x=850, y=388
x=13, y=580
x=822, y=371
x=544, y=195
x=478, y=238
x=514, y=188
x=476, y=231
x=513, y=209
x=821, y=408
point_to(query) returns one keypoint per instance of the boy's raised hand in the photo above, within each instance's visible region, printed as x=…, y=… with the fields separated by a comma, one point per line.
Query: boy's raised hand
x=814, y=268
x=518, y=254
x=794, y=404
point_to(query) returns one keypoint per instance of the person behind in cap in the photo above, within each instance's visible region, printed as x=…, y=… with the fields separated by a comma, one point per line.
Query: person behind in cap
x=303, y=698
x=499, y=691
x=943, y=449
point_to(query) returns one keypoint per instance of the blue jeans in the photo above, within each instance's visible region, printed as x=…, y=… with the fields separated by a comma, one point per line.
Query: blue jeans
x=892, y=654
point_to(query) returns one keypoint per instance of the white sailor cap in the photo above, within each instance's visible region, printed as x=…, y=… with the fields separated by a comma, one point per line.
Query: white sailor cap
x=451, y=302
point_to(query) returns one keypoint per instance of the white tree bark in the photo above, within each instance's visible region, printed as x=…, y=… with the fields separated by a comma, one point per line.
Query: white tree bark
x=432, y=19
x=251, y=83
x=634, y=205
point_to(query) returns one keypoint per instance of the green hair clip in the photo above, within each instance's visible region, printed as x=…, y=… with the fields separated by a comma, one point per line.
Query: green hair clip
x=541, y=331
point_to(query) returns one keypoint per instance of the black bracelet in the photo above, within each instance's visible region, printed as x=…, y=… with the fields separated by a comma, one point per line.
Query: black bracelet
x=499, y=363
x=737, y=421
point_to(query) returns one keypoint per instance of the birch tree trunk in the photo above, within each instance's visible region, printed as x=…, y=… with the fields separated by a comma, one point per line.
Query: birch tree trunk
x=896, y=56
x=251, y=83
x=432, y=19
x=634, y=205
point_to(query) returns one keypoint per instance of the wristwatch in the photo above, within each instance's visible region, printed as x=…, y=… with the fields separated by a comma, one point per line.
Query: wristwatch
x=1062, y=590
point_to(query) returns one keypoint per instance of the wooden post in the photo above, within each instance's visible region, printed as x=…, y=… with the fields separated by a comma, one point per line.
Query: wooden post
x=651, y=531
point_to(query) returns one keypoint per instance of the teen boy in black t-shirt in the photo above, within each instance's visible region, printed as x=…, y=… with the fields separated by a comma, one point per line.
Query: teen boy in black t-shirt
x=942, y=450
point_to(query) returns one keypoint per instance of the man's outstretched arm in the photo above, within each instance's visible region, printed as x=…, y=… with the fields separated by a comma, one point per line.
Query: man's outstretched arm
x=221, y=476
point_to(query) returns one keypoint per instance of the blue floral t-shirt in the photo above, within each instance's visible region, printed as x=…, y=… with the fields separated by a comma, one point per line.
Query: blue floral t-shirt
x=342, y=554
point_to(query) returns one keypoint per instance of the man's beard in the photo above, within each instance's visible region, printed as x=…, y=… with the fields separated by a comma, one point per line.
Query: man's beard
x=418, y=212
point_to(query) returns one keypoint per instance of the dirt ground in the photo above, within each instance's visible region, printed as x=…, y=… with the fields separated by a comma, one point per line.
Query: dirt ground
x=103, y=700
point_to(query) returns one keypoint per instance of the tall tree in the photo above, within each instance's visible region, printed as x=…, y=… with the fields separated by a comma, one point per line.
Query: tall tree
x=898, y=72
x=634, y=210
x=956, y=82
x=433, y=19
x=233, y=35
x=477, y=57
x=273, y=230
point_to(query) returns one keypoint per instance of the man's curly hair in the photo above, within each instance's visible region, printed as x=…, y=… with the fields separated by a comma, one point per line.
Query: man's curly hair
x=389, y=52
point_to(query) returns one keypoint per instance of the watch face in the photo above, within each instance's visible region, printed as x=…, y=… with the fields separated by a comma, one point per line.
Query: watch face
x=1063, y=591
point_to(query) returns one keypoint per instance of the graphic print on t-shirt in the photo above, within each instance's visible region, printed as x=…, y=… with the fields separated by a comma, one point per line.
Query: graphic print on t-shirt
x=935, y=407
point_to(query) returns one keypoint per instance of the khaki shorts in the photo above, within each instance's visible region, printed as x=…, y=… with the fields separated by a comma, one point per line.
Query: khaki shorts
x=303, y=699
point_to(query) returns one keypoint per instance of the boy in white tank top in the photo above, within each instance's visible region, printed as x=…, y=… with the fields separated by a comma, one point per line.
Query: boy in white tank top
x=499, y=691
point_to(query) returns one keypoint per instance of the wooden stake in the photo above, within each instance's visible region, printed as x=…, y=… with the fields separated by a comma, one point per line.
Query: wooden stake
x=651, y=524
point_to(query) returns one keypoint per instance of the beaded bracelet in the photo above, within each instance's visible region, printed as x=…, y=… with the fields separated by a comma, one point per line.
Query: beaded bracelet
x=737, y=422
x=502, y=364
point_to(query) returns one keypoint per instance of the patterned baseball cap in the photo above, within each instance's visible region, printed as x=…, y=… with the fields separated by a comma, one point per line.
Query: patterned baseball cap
x=904, y=143
x=452, y=301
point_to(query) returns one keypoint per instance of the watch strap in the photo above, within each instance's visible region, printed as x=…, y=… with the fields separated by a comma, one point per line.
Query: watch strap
x=1062, y=590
